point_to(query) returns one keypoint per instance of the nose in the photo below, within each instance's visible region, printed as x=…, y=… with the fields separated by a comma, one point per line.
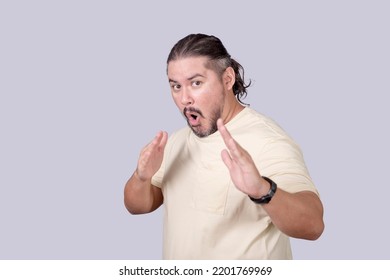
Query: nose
x=186, y=98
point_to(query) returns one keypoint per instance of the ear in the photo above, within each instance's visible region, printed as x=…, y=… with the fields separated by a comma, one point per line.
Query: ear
x=229, y=78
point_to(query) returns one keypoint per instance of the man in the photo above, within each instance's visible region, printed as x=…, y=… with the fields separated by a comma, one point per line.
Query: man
x=233, y=184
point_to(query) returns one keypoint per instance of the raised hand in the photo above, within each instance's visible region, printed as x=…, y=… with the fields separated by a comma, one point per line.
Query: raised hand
x=243, y=170
x=151, y=157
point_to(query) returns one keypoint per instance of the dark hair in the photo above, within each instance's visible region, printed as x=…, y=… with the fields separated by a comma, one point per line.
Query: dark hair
x=219, y=59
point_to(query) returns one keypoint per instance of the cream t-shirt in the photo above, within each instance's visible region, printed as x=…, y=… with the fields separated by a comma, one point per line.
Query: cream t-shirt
x=205, y=215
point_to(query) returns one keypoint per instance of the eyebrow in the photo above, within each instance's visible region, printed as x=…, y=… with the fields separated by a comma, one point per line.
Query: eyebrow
x=195, y=76
x=189, y=79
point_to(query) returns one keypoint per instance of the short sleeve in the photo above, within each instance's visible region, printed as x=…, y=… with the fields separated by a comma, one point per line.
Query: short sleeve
x=281, y=160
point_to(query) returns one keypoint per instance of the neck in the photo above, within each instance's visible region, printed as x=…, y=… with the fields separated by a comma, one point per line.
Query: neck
x=231, y=110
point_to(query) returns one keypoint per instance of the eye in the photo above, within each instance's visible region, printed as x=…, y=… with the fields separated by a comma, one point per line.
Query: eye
x=175, y=87
x=196, y=83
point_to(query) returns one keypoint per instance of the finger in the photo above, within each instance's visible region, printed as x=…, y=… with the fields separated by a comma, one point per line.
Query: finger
x=152, y=145
x=163, y=140
x=224, y=132
x=226, y=136
x=158, y=138
x=227, y=159
x=236, y=151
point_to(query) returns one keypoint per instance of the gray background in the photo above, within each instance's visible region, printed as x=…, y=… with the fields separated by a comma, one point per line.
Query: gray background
x=83, y=89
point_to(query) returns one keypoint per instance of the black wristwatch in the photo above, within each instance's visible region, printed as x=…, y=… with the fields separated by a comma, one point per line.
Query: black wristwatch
x=266, y=198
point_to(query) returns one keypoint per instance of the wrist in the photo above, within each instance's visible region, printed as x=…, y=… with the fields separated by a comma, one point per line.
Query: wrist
x=263, y=188
x=265, y=196
x=140, y=178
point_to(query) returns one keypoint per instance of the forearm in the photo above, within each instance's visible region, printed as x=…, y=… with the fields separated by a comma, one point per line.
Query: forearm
x=140, y=196
x=298, y=215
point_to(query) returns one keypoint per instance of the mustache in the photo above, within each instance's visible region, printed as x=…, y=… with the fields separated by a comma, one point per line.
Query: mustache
x=192, y=110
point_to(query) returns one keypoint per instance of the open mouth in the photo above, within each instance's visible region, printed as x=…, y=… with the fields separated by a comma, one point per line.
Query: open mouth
x=193, y=116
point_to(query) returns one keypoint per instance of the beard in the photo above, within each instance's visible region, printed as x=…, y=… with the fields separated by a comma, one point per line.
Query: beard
x=204, y=130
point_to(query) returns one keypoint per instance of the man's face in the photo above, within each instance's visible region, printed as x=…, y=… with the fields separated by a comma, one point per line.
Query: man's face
x=198, y=92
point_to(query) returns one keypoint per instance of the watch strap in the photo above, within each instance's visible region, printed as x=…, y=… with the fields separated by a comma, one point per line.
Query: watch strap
x=266, y=198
